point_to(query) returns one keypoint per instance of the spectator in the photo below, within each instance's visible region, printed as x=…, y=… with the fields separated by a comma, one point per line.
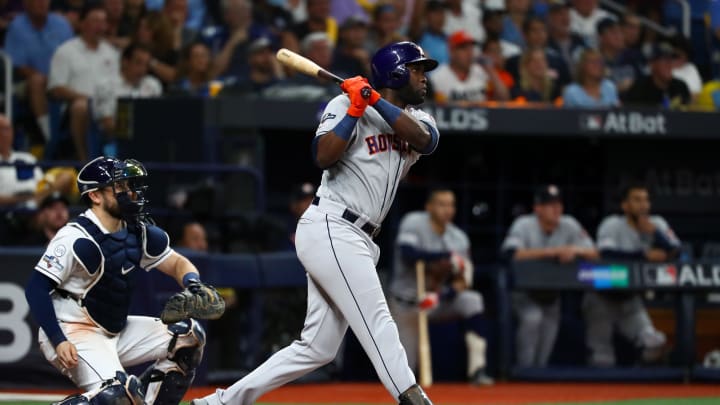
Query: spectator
x=545, y=235
x=534, y=82
x=463, y=16
x=116, y=33
x=463, y=80
x=624, y=65
x=132, y=12
x=660, y=88
x=264, y=69
x=77, y=67
x=184, y=32
x=52, y=215
x=195, y=70
x=535, y=34
x=194, y=237
x=632, y=31
x=584, y=18
x=431, y=236
x=191, y=13
x=432, y=39
x=684, y=69
x=132, y=81
x=155, y=32
x=591, y=88
x=493, y=55
x=634, y=235
x=230, y=44
x=517, y=13
x=566, y=43
x=19, y=184
x=385, y=28
x=9, y=9
x=318, y=48
x=70, y=9
x=493, y=22
x=32, y=38
x=350, y=57
x=318, y=20
x=275, y=19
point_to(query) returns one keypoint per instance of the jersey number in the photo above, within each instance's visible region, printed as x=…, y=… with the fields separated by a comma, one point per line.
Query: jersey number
x=13, y=321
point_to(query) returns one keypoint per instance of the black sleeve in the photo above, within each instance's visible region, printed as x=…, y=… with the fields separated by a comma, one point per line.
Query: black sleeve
x=37, y=293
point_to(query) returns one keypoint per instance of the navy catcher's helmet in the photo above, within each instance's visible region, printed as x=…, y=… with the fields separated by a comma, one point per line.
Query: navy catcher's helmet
x=388, y=64
x=106, y=172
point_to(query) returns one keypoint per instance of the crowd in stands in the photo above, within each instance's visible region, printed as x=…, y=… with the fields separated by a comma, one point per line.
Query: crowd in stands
x=73, y=58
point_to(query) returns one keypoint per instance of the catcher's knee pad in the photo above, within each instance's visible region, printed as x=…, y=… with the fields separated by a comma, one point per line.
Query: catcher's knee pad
x=186, y=346
x=122, y=390
x=414, y=396
x=166, y=388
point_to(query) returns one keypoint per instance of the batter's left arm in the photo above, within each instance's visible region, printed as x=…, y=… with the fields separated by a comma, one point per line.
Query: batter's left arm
x=421, y=135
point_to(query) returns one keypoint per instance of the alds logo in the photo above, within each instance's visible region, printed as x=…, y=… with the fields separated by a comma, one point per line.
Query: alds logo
x=386, y=142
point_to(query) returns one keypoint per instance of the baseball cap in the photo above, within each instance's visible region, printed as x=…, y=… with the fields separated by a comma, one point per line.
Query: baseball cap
x=662, y=50
x=354, y=21
x=459, y=38
x=301, y=191
x=52, y=199
x=605, y=24
x=259, y=43
x=547, y=193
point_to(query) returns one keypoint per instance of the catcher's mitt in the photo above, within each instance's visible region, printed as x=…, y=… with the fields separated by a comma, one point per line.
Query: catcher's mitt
x=198, y=300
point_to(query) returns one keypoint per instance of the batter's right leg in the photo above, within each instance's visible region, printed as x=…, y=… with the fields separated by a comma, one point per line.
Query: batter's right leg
x=319, y=342
x=341, y=259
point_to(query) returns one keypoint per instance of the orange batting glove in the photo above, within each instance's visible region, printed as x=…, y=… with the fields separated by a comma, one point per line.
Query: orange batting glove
x=354, y=89
x=429, y=302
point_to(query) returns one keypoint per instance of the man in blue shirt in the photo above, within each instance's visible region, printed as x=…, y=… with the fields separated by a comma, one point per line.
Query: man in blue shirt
x=31, y=40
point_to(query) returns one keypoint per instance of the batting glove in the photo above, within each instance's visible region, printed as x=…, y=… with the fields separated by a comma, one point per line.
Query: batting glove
x=354, y=87
x=430, y=301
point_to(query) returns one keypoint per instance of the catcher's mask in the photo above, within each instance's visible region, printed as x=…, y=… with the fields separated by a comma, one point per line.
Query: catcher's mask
x=126, y=177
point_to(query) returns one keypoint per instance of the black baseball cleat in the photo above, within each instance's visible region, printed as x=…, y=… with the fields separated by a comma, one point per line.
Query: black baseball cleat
x=199, y=401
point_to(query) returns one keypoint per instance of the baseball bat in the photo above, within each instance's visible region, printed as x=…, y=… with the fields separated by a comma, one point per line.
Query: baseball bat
x=304, y=65
x=424, y=360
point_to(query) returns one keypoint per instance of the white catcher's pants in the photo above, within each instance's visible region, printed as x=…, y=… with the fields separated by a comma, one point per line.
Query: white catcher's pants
x=343, y=290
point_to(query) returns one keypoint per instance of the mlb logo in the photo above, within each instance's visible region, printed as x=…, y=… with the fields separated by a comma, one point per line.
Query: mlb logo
x=667, y=275
x=591, y=122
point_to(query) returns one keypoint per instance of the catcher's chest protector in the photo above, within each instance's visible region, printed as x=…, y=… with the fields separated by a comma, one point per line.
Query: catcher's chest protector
x=108, y=300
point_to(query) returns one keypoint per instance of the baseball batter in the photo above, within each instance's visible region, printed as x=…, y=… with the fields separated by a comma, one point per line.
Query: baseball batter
x=547, y=234
x=431, y=236
x=639, y=236
x=365, y=146
x=80, y=296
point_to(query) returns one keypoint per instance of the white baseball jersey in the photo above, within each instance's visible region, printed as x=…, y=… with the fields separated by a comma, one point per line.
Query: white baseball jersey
x=80, y=68
x=448, y=87
x=60, y=265
x=366, y=178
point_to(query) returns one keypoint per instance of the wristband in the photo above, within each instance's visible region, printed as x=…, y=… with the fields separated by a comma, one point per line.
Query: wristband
x=388, y=111
x=344, y=128
x=189, y=278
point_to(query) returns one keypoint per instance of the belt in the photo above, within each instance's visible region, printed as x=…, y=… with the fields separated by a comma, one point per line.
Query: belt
x=356, y=219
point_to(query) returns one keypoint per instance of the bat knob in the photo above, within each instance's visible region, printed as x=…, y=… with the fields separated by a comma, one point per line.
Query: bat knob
x=365, y=92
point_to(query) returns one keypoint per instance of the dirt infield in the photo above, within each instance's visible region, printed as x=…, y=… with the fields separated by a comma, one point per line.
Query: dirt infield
x=506, y=393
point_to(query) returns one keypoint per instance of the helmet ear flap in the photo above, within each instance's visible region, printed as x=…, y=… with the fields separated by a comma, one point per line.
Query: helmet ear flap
x=399, y=76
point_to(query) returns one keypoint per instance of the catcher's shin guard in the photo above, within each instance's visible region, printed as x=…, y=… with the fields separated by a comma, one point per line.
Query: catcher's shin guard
x=168, y=379
x=122, y=390
x=414, y=396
